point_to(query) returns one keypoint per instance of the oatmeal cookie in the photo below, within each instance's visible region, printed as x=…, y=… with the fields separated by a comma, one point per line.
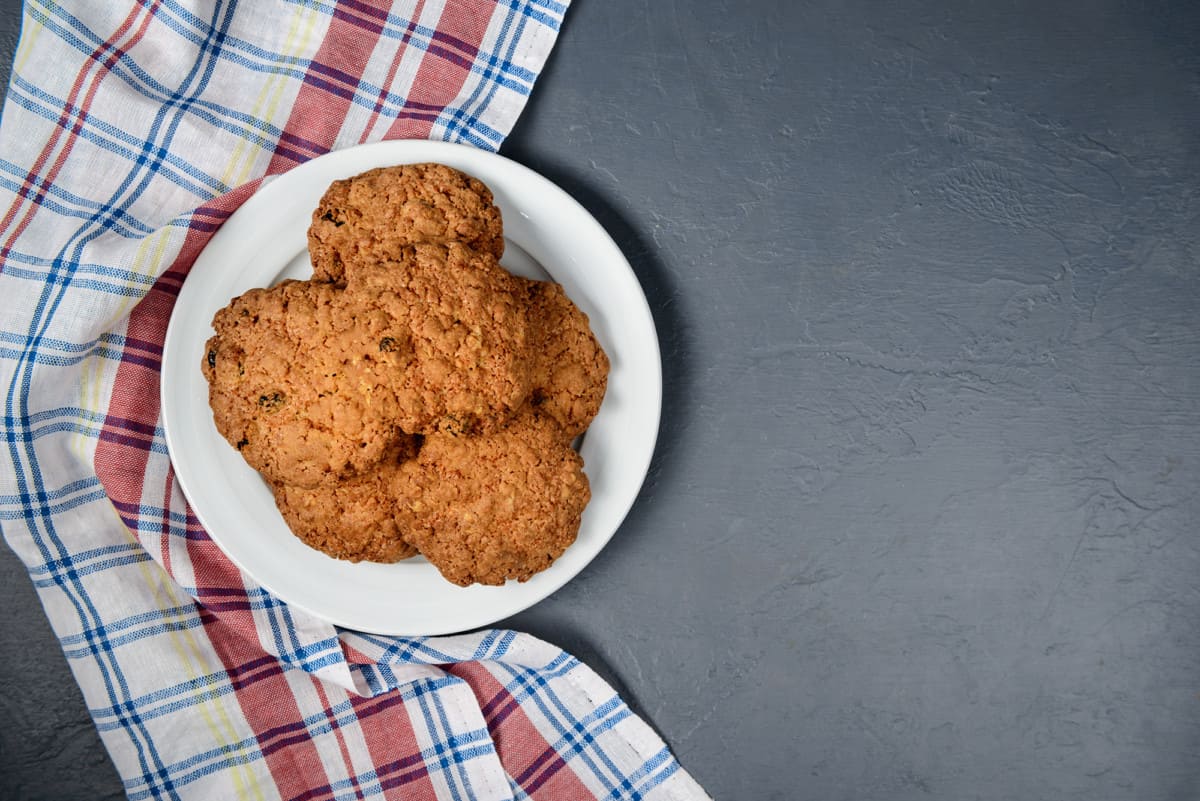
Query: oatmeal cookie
x=466, y=332
x=299, y=382
x=497, y=506
x=373, y=215
x=569, y=368
x=355, y=518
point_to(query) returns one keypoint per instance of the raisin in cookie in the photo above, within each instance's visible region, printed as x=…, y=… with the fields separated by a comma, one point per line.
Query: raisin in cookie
x=299, y=382
x=465, y=322
x=569, y=371
x=373, y=215
x=497, y=506
x=355, y=518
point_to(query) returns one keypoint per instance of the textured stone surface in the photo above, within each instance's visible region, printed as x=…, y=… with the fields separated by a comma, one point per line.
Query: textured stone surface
x=922, y=519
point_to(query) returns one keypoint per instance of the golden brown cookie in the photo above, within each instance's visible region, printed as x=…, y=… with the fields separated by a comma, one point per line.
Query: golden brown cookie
x=299, y=382
x=497, y=506
x=569, y=373
x=465, y=324
x=355, y=518
x=412, y=337
x=373, y=215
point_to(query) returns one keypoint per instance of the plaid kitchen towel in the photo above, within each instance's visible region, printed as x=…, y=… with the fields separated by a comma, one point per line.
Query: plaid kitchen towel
x=130, y=132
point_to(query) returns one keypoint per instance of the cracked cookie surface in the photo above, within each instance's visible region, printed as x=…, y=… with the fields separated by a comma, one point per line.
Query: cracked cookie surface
x=361, y=518
x=466, y=331
x=298, y=382
x=499, y=506
x=372, y=216
x=569, y=369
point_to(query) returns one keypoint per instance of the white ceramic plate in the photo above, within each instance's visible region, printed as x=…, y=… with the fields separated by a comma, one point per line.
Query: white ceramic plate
x=548, y=234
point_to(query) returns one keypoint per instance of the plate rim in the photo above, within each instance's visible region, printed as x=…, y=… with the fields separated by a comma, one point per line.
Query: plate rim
x=382, y=154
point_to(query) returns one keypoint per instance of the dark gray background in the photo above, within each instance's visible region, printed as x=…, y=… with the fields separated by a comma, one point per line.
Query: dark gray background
x=922, y=521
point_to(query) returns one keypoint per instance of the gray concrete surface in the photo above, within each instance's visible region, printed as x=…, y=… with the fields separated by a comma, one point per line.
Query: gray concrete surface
x=922, y=523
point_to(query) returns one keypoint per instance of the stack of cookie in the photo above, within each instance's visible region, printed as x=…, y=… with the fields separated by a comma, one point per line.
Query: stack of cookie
x=414, y=396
